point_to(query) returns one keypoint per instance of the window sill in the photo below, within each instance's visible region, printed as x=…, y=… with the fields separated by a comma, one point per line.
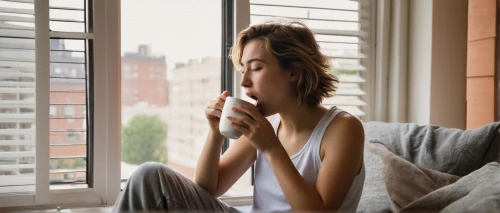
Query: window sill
x=237, y=201
x=69, y=188
x=54, y=189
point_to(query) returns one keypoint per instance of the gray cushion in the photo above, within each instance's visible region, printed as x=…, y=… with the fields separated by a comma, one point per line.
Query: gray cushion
x=442, y=197
x=374, y=197
x=492, y=154
x=449, y=150
x=406, y=182
x=484, y=198
x=453, y=151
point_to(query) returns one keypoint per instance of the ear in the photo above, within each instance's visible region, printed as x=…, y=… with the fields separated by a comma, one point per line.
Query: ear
x=294, y=75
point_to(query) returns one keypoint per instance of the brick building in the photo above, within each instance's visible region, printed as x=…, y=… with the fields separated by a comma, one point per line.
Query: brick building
x=144, y=78
x=144, y=83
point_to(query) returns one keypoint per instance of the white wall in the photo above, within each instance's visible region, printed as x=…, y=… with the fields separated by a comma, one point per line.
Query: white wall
x=419, y=61
x=437, y=62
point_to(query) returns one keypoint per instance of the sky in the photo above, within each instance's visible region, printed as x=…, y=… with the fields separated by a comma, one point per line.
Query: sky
x=180, y=29
x=184, y=29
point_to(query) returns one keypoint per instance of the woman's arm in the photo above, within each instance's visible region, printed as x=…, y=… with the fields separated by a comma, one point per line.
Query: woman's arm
x=217, y=174
x=238, y=158
x=206, y=173
x=343, y=155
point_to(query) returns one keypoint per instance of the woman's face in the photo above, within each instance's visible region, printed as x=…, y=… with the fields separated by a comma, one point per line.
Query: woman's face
x=263, y=79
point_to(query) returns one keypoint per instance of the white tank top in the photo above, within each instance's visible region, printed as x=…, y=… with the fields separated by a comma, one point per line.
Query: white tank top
x=268, y=196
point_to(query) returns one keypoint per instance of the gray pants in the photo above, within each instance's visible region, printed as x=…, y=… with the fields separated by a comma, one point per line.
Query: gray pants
x=154, y=187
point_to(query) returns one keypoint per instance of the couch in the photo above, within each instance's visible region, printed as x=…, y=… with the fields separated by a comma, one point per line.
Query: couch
x=426, y=168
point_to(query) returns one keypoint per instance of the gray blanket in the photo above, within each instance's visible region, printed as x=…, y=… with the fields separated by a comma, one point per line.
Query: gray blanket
x=450, y=196
x=449, y=150
x=483, y=198
x=452, y=151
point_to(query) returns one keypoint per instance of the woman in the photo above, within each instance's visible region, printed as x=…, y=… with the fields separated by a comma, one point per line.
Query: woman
x=307, y=157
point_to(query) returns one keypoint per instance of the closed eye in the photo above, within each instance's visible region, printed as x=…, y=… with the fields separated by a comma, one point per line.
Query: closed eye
x=257, y=69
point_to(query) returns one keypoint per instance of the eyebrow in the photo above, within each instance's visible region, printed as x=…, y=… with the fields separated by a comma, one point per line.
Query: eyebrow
x=252, y=60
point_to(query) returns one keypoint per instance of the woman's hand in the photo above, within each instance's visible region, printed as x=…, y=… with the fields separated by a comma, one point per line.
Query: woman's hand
x=255, y=127
x=213, y=111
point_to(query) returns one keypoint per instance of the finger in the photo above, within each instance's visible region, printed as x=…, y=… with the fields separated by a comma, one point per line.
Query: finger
x=240, y=128
x=224, y=95
x=220, y=104
x=244, y=121
x=213, y=112
x=250, y=111
x=215, y=104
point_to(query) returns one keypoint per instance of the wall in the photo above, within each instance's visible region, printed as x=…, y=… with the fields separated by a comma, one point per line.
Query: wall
x=436, y=62
x=481, y=62
x=449, y=53
x=419, y=63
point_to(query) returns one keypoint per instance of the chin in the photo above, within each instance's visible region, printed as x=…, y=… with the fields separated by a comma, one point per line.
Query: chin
x=263, y=112
x=266, y=112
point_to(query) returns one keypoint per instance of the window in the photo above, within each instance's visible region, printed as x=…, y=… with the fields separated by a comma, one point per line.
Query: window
x=337, y=26
x=168, y=126
x=38, y=147
x=76, y=67
x=69, y=111
x=71, y=136
x=126, y=71
x=70, y=49
x=53, y=111
x=175, y=130
x=126, y=68
x=342, y=31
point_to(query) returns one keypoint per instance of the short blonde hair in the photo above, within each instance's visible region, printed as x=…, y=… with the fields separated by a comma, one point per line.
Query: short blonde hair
x=296, y=49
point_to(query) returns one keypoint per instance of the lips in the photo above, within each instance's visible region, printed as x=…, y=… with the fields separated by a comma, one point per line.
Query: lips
x=254, y=97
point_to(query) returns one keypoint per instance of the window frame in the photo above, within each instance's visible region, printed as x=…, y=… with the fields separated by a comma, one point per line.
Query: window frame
x=106, y=132
x=241, y=21
x=379, y=77
x=105, y=155
x=228, y=16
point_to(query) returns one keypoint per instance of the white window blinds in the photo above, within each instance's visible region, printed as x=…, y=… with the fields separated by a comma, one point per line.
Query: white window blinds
x=17, y=96
x=70, y=42
x=70, y=67
x=339, y=27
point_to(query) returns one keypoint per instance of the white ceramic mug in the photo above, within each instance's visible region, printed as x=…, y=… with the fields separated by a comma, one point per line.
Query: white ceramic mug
x=225, y=126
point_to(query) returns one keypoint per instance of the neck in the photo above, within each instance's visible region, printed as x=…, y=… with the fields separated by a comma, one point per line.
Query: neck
x=302, y=117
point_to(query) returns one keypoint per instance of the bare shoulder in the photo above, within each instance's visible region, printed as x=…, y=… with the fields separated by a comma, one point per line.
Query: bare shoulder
x=345, y=131
x=345, y=122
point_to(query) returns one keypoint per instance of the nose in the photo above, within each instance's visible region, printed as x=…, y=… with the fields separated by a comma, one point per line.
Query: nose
x=245, y=80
